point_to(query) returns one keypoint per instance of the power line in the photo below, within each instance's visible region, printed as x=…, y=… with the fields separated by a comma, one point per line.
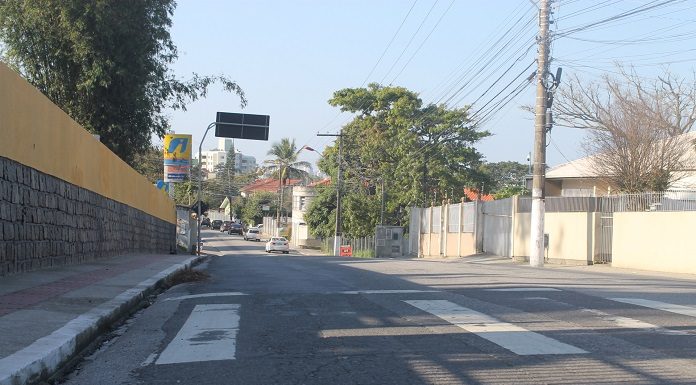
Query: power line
x=413, y=36
x=403, y=21
x=450, y=81
x=620, y=16
x=423, y=42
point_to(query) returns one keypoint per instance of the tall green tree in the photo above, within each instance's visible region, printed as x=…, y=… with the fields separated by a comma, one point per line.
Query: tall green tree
x=105, y=63
x=503, y=175
x=419, y=153
x=285, y=165
x=252, y=210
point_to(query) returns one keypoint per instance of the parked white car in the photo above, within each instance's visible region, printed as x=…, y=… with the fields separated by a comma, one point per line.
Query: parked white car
x=253, y=234
x=278, y=244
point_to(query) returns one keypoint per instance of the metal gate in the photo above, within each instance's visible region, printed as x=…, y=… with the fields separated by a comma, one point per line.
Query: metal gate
x=606, y=230
x=497, y=227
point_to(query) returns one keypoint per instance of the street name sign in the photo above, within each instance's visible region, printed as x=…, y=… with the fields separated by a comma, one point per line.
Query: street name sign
x=242, y=126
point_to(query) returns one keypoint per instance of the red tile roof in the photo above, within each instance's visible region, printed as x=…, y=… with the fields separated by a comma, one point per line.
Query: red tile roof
x=472, y=194
x=323, y=182
x=268, y=185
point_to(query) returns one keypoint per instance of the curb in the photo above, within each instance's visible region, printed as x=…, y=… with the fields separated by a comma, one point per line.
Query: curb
x=46, y=355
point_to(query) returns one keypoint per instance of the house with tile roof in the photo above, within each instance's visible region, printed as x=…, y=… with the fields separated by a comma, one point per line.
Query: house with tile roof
x=579, y=178
x=267, y=185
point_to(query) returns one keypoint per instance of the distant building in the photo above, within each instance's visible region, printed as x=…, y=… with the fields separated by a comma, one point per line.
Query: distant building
x=267, y=185
x=580, y=178
x=301, y=198
x=243, y=164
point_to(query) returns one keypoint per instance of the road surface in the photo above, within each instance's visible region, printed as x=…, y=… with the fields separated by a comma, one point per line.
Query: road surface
x=293, y=319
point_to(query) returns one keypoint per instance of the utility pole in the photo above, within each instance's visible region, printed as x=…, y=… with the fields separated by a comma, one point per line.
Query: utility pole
x=536, y=256
x=337, y=235
x=381, y=216
x=280, y=199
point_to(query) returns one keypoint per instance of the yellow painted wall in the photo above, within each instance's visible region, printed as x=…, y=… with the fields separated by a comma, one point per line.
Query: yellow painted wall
x=468, y=244
x=521, y=231
x=570, y=235
x=658, y=241
x=424, y=245
x=38, y=134
x=460, y=244
x=451, y=245
x=434, y=245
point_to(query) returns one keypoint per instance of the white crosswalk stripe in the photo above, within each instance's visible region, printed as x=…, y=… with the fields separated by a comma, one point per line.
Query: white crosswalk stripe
x=205, y=295
x=631, y=323
x=353, y=292
x=511, y=337
x=525, y=289
x=664, y=306
x=209, y=334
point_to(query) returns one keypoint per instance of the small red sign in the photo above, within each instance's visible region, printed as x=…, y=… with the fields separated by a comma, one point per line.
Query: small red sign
x=346, y=251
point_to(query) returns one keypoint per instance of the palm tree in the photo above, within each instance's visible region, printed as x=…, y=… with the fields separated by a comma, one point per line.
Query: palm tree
x=285, y=165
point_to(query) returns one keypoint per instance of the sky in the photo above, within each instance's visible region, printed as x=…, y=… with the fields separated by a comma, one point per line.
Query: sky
x=291, y=56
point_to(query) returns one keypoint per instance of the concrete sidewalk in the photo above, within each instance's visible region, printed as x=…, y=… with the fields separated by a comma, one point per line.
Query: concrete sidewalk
x=48, y=316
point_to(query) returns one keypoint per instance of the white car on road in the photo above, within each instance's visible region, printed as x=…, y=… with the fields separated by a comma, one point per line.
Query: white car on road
x=253, y=234
x=278, y=244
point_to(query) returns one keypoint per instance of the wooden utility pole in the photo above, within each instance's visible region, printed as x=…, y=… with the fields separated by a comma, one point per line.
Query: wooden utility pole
x=536, y=256
x=337, y=234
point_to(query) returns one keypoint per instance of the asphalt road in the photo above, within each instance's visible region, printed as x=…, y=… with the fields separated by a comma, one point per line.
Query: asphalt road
x=293, y=319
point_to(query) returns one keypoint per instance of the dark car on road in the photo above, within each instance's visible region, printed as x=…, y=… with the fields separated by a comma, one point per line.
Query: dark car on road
x=235, y=228
x=205, y=222
x=225, y=226
x=216, y=224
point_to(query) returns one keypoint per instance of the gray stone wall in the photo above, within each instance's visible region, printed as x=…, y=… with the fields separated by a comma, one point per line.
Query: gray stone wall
x=46, y=222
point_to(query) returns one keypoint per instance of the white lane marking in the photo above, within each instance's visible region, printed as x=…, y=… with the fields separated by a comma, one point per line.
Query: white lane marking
x=149, y=360
x=384, y=331
x=664, y=306
x=511, y=337
x=387, y=291
x=524, y=289
x=206, y=295
x=631, y=323
x=209, y=334
x=538, y=298
x=49, y=352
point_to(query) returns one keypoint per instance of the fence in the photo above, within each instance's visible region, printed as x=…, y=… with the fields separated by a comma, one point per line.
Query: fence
x=673, y=200
x=578, y=230
x=186, y=229
x=497, y=227
x=362, y=247
x=446, y=230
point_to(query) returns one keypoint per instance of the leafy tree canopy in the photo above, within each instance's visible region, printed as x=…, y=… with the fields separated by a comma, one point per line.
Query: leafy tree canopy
x=503, y=175
x=105, y=63
x=420, y=153
x=284, y=165
x=252, y=211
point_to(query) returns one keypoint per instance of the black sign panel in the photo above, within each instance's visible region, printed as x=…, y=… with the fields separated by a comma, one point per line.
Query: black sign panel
x=242, y=126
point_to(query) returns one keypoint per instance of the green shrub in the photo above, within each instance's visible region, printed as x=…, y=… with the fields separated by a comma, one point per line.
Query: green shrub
x=364, y=254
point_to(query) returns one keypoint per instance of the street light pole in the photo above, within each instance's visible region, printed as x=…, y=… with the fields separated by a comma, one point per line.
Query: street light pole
x=337, y=235
x=200, y=184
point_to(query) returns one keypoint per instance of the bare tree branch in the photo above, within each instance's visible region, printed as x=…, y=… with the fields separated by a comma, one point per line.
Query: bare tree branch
x=635, y=127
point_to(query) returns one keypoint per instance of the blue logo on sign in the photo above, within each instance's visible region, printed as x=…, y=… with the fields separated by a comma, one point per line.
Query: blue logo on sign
x=178, y=142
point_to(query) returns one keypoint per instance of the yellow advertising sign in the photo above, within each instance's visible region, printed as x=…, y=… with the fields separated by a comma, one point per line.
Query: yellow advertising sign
x=177, y=157
x=177, y=149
